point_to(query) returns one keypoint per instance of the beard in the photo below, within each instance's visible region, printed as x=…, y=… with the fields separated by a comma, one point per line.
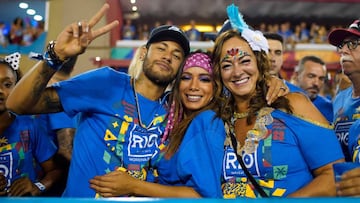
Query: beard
x=159, y=79
x=2, y=110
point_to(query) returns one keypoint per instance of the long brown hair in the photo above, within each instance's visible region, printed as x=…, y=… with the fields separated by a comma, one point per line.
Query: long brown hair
x=180, y=123
x=258, y=101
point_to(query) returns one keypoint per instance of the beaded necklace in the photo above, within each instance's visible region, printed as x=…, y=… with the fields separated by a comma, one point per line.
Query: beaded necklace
x=241, y=115
x=254, y=135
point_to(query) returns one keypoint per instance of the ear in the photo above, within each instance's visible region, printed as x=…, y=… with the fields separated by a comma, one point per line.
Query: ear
x=143, y=52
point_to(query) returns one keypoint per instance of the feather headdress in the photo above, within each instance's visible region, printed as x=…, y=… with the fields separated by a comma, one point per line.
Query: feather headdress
x=256, y=39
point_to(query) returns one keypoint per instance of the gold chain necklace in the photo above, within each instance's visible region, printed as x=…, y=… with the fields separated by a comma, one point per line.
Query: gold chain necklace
x=241, y=115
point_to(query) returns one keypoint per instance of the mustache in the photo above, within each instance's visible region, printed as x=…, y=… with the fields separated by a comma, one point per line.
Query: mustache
x=315, y=88
x=345, y=58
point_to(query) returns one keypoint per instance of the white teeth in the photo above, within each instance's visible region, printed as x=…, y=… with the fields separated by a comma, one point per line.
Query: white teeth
x=242, y=81
x=193, y=97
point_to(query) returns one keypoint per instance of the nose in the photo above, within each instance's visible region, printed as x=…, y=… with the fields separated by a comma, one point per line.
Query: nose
x=343, y=49
x=238, y=70
x=194, y=85
x=316, y=83
x=167, y=56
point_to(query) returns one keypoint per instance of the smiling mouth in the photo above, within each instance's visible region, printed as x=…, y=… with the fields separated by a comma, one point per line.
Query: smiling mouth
x=241, y=81
x=193, y=97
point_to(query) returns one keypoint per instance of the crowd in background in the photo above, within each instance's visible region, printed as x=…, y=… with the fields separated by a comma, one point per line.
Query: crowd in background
x=20, y=32
x=293, y=33
x=231, y=86
x=24, y=31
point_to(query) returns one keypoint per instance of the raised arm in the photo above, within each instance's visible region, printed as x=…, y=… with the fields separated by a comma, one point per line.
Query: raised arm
x=30, y=95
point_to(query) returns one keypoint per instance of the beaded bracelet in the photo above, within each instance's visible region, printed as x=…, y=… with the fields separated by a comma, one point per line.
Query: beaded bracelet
x=51, y=58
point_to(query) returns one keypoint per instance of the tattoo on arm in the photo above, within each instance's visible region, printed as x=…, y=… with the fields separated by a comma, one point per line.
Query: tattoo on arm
x=48, y=98
x=65, y=139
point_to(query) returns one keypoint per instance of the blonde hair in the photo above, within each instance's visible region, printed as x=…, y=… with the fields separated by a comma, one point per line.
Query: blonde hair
x=135, y=66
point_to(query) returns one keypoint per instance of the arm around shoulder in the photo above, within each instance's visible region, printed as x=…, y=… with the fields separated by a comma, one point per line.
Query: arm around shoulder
x=302, y=106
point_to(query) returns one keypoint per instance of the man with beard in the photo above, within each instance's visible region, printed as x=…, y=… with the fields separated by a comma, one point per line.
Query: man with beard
x=121, y=119
x=310, y=75
x=347, y=102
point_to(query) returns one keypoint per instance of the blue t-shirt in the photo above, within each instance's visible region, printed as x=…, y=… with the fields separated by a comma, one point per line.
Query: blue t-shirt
x=55, y=121
x=325, y=106
x=294, y=88
x=354, y=141
x=346, y=112
x=284, y=158
x=108, y=135
x=197, y=163
x=22, y=146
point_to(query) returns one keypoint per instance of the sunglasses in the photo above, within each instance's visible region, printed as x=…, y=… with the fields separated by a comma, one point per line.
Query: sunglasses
x=351, y=44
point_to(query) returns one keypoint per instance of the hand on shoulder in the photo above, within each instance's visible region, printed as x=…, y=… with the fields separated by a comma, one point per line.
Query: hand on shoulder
x=302, y=106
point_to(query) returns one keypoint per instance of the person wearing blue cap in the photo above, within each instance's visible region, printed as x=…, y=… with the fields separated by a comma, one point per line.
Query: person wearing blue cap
x=121, y=120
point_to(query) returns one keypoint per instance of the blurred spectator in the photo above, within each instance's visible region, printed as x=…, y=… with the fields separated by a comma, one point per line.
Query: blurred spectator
x=169, y=22
x=28, y=36
x=39, y=29
x=286, y=32
x=16, y=31
x=144, y=32
x=128, y=30
x=304, y=33
x=3, y=40
x=193, y=33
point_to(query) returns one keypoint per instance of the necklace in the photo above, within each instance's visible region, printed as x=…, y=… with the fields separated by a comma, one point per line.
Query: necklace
x=138, y=109
x=241, y=115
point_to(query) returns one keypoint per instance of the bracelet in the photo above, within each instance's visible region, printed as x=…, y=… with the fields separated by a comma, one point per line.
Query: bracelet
x=51, y=58
x=40, y=186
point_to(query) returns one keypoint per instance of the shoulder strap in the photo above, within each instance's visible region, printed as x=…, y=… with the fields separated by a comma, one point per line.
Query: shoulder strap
x=248, y=174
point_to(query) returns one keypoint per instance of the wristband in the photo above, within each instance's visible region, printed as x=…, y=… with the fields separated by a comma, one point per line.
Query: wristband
x=51, y=58
x=40, y=186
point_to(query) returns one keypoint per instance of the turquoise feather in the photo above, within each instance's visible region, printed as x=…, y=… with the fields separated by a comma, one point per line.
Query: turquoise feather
x=236, y=19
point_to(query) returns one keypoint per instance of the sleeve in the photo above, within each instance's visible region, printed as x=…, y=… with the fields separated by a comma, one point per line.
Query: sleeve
x=60, y=120
x=43, y=147
x=354, y=141
x=82, y=92
x=201, y=155
x=318, y=144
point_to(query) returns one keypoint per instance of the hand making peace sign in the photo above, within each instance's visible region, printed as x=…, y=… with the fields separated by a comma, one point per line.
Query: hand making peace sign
x=75, y=38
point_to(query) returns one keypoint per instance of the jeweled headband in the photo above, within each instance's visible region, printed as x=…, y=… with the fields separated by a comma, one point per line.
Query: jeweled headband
x=199, y=60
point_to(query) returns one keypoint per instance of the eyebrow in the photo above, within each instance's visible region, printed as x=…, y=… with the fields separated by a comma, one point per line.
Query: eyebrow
x=242, y=55
x=176, y=49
